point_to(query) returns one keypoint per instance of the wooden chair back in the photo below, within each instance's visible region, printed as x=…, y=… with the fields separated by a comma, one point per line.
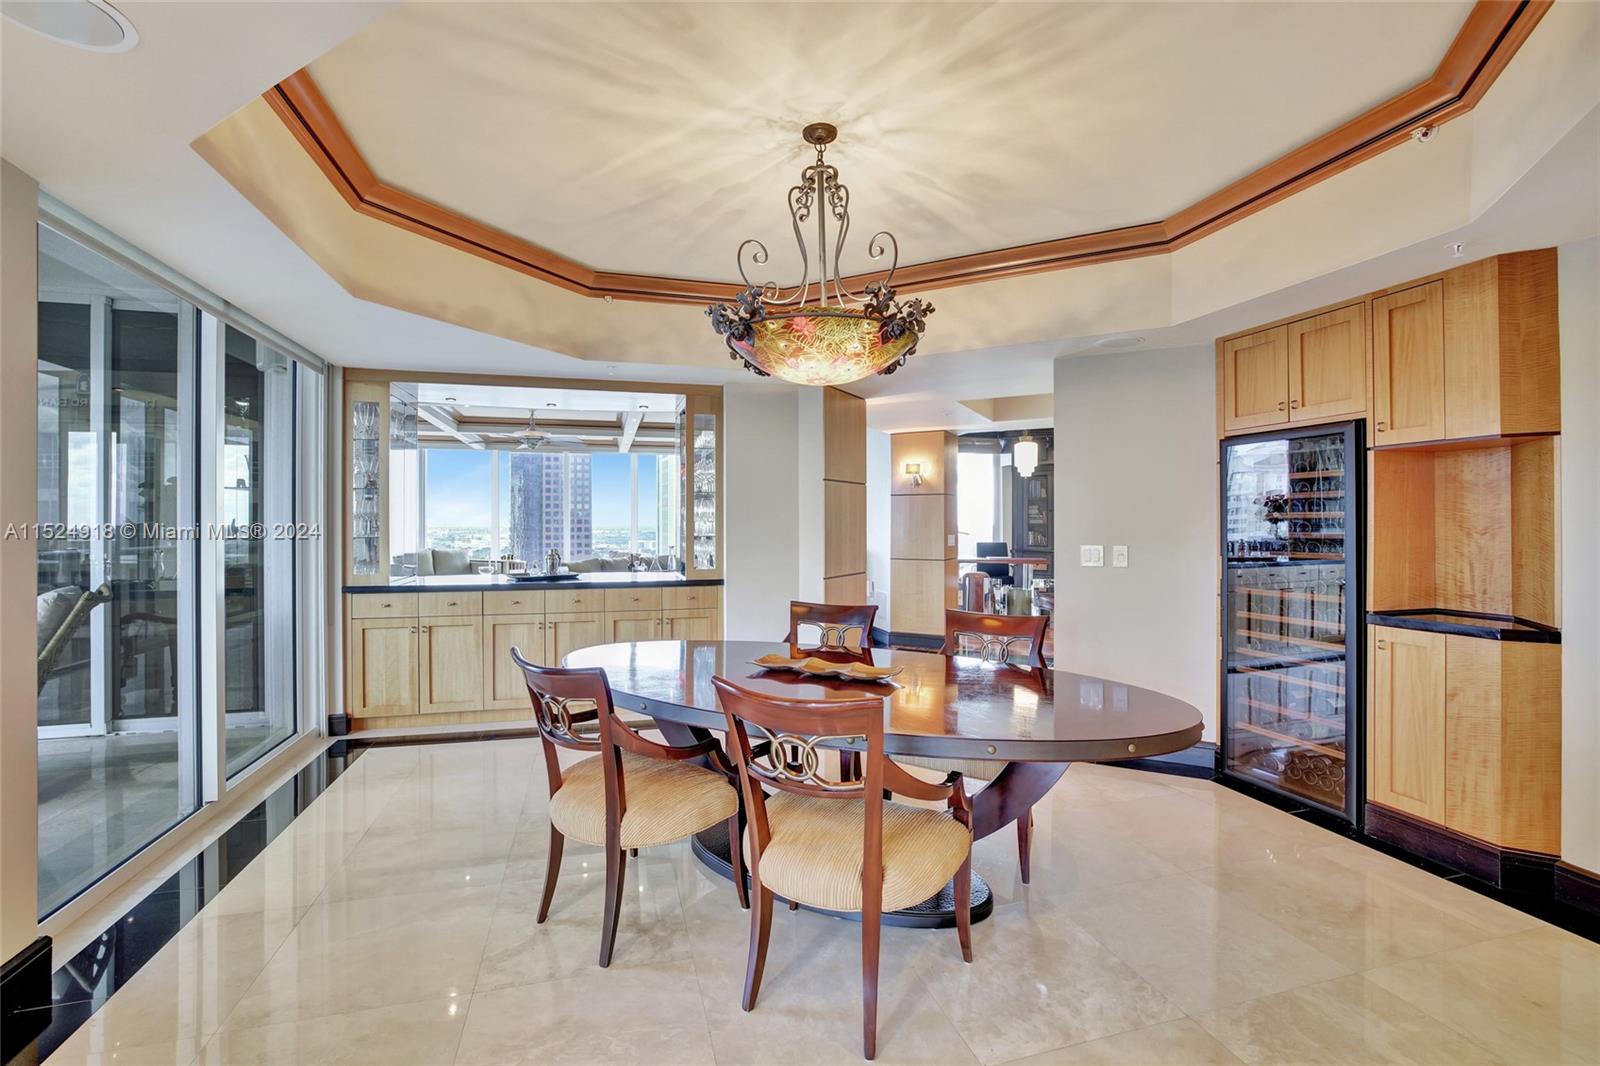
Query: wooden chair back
x=996, y=638
x=845, y=627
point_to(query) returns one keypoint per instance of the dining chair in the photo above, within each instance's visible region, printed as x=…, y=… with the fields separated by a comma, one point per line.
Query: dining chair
x=835, y=844
x=1017, y=639
x=635, y=793
x=844, y=627
x=999, y=572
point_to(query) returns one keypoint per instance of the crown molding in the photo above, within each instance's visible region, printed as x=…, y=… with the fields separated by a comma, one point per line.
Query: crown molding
x=1485, y=44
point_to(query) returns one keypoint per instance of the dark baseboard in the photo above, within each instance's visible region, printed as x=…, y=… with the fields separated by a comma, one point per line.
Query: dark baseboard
x=25, y=993
x=919, y=641
x=1523, y=872
x=1577, y=887
x=1199, y=760
x=338, y=725
x=880, y=637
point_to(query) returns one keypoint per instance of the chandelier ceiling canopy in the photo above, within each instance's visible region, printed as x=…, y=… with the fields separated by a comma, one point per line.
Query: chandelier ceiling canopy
x=818, y=332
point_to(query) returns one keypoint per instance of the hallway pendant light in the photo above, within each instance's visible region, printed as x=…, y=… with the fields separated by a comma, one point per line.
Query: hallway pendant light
x=826, y=334
x=1025, y=456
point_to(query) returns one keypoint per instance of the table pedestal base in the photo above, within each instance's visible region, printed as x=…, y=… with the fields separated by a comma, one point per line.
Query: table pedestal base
x=711, y=848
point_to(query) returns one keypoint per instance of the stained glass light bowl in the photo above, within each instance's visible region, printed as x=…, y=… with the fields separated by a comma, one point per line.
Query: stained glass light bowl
x=822, y=346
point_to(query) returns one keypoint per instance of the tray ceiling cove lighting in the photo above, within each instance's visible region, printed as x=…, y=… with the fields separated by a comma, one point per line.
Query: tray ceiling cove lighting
x=824, y=335
x=93, y=25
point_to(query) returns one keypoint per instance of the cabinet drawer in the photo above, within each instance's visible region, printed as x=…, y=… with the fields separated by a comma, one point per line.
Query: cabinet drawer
x=384, y=605
x=699, y=598
x=632, y=599
x=557, y=601
x=449, y=604
x=530, y=601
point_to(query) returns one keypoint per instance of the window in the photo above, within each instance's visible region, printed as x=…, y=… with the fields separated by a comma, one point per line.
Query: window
x=977, y=501
x=174, y=552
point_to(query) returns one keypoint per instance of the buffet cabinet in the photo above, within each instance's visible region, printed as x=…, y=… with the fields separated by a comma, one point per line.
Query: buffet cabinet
x=1457, y=376
x=448, y=654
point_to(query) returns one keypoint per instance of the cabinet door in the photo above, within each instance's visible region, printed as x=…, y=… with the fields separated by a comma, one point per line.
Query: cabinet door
x=1408, y=722
x=503, y=686
x=1255, y=380
x=622, y=626
x=696, y=625
x=450, y=674
x=383, y=667
x=564, y=634
x=1328, y=365
x=1408, y=365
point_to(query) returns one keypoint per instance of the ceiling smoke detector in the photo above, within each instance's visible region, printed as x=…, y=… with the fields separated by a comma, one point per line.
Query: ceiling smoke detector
x=92, y=25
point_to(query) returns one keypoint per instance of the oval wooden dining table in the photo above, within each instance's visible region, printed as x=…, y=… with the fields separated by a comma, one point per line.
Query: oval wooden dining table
x=1034, y=721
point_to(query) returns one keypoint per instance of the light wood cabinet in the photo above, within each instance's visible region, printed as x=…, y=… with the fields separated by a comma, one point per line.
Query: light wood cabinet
x=1408, y=365
x=449, y=664
x=503, y=686
x=564, y=634
x=1328, y=365
x=693, y=625
x=382, y=667
x=1502, y=370
x=1406, y=710
x=1255, y=380
x=623, y=626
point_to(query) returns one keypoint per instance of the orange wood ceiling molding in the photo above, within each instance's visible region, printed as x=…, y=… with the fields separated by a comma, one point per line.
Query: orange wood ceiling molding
x=1491, y=35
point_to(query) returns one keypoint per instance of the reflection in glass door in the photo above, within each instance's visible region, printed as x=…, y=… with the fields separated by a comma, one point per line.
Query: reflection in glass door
x=116, y=574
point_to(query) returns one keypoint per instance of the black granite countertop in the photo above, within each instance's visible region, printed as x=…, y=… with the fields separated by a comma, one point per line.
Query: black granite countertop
x=1468, y=624
x=488, y=582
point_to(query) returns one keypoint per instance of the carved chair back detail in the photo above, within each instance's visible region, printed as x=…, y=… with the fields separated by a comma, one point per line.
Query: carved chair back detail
x=996, y=638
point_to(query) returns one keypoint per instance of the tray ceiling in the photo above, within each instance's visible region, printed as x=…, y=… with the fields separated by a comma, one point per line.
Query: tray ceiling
x=652, y=138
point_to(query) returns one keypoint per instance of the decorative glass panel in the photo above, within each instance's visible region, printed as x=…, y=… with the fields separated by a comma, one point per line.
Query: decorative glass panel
x=705, y=491
x=364, y=518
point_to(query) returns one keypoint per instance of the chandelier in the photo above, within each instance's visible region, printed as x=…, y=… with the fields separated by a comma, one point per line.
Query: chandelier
x=820, y=333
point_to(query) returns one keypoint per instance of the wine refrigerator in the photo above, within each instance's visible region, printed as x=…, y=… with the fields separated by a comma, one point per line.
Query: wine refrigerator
x=1291, y=613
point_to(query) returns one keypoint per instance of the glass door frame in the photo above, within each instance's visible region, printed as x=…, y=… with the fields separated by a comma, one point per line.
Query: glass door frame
x=1355, y=465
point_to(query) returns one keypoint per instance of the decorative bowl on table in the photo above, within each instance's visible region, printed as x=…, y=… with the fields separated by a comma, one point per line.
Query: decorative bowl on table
x=818, y=667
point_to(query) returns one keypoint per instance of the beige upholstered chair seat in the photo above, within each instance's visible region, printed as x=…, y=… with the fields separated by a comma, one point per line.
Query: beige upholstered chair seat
x=973, y=769
x=666, y=801
x=814, y=856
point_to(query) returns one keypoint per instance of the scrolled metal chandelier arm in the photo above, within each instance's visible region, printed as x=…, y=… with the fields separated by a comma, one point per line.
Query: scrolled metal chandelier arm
x=842, y=336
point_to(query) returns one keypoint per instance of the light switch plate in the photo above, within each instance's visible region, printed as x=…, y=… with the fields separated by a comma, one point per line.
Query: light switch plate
x=1091, y=555
x=1119, y=555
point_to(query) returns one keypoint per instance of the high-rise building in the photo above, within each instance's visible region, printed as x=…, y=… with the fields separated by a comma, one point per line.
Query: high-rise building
x=550, y=506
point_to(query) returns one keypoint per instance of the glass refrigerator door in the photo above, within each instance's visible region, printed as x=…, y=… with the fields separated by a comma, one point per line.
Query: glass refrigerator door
x=1290, y=519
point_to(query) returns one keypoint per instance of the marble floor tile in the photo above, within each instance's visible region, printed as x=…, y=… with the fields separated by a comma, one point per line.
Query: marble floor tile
x=637, y=1014
x=425, y=1032
x=1179, y=1042
x=96, y=1049
x=1531, y=997
x=1491, y=916
x=1202, y=949
x=1349, y=1020
x=413, y=860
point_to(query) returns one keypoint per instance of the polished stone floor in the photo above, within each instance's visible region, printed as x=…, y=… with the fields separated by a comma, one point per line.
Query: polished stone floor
x=1169, y=921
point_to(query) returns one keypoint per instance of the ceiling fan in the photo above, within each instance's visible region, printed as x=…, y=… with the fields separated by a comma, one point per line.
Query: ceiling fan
x=533, y=438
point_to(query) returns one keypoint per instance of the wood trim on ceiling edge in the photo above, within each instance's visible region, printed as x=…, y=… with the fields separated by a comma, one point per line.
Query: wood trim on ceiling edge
x=1491, y=35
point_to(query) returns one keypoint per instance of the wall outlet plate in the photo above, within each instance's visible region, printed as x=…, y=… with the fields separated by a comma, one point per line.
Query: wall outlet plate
x=1119, y=555
x=1091, y=555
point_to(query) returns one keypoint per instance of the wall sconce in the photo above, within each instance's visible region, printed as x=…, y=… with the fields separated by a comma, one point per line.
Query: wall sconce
x=1025, y=456
x=914, y=472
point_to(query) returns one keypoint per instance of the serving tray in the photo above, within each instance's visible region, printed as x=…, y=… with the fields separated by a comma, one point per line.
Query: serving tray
x=823, y=668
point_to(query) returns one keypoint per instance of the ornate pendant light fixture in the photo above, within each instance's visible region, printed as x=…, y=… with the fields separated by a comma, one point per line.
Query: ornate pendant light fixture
x=820, y=334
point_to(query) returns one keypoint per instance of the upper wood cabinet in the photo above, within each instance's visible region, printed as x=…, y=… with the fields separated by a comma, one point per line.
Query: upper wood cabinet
x=1328, y=365
x=1408, y=365
x=1255, y=380
x=1502, y=347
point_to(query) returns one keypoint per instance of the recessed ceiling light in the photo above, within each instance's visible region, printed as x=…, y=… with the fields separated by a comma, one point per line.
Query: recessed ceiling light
x=1125, y=340
x=93, y=25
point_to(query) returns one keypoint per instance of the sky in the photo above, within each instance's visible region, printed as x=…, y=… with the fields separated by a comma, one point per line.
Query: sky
x=458, y=488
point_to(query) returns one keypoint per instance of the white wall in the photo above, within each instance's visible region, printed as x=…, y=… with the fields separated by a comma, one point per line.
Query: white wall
x=762, y=510
x=878, y=480
x=19, y=503
x=1579, y=280
x=811, y=508
x=1136, y=464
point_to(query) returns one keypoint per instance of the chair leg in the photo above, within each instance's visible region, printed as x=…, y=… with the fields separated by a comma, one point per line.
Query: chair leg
x=552, y=869
x=964, y=908
x=633, y=853
x=736, y=857
x=760, y=933
x=1025, y=843
x=794, y=905
x=871, y=933
x=616, y=870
